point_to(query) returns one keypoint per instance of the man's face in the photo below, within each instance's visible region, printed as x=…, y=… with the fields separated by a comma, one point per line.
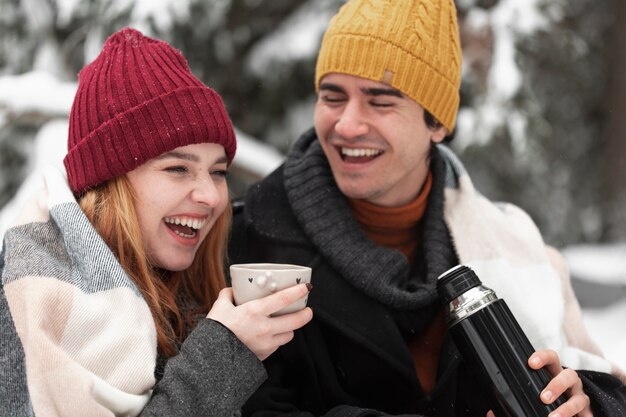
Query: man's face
x=375, y=139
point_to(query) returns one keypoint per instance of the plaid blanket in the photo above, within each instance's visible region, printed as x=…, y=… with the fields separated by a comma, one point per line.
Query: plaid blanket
x=77, y=337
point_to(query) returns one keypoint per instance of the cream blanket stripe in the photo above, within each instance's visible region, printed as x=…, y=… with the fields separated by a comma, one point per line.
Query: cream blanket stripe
x=82, y=338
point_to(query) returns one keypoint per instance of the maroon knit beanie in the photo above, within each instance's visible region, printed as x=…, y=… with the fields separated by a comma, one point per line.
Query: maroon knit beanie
x=135, y=101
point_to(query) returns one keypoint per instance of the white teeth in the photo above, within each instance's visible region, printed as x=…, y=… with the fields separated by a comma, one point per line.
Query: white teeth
x=184, y=234
x=360, y=152
x=196, y=224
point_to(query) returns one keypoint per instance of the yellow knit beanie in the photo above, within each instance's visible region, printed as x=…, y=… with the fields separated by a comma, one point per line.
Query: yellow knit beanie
x=411, y=45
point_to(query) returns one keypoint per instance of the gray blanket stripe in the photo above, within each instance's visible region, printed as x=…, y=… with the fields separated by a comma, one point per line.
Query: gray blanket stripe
x=14, y=398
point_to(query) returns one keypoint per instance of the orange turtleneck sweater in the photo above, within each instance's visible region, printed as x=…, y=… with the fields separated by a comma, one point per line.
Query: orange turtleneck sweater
x=399, y=228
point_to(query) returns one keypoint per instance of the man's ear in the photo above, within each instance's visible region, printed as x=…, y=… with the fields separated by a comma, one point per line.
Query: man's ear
x=439, y=134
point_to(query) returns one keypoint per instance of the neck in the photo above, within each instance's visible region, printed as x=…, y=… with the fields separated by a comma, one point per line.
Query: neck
x=394, y=227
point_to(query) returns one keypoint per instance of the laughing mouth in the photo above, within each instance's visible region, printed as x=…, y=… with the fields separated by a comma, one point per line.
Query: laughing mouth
x=186, y=227
x=359, y=155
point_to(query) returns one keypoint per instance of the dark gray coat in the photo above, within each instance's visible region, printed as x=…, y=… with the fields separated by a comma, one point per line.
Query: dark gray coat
x=352, y=358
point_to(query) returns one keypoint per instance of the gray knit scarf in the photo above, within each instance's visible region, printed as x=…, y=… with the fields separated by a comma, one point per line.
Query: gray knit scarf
x=380, y=272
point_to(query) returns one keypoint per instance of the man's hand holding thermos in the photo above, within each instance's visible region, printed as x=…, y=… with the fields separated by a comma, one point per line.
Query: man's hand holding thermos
x=524, y=382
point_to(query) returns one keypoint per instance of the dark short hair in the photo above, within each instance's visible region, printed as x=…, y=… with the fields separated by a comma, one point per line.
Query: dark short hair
x=432, y=122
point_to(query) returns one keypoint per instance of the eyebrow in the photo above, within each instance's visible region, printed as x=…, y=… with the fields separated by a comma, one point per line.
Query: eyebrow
x=179, y=155
x=188, y=157
x=382, y=92
x=375, y=91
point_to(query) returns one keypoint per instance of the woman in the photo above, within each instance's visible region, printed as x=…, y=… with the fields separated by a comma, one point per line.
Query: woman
x=107, y=283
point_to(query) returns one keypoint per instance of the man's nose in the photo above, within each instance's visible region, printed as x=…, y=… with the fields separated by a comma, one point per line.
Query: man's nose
x=352, y=121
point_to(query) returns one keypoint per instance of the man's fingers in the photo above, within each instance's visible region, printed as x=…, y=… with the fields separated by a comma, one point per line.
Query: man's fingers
x=545, y=358
x=567, y=380
x=564, y=381
x=577, y=405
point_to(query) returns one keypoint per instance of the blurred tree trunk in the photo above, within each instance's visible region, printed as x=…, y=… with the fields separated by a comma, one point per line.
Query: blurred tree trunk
x=614, y=187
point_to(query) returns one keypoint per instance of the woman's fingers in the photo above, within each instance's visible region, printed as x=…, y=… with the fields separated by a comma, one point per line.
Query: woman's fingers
x=283, y=338
x=226, y=294
x=253, y=323
x=291, y=321
x=281, y=299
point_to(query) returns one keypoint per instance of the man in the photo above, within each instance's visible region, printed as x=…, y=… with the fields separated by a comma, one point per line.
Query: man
x=379, y=209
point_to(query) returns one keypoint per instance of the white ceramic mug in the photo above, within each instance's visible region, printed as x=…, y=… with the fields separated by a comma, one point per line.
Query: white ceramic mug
x=252, y=281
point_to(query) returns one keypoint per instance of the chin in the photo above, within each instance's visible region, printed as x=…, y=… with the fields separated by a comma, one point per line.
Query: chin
x=180, y=267
x=353, y=191
x=175, y=266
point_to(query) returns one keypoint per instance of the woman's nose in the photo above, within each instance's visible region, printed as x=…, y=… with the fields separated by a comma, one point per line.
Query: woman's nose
x=206, y=192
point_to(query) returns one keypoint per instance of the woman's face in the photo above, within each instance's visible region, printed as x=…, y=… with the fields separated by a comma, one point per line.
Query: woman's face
x=180, y=195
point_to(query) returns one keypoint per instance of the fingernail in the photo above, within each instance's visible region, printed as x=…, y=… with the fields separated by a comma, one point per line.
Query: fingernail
x=547, y=396
x=554, y=415
x=535, y=360
x=309, y=286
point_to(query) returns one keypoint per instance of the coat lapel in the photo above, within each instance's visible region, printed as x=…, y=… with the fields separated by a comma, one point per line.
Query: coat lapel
x=358, y=317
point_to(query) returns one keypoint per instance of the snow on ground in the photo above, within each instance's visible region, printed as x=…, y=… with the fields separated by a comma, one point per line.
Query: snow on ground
x=606, y=326
x=599, y=263
x=599, y=280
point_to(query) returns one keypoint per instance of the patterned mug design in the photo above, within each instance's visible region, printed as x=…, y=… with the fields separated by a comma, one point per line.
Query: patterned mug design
x=265, y=281
x=251, y=281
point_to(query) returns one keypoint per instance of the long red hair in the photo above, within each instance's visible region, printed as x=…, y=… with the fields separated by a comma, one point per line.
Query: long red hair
x=110, y=209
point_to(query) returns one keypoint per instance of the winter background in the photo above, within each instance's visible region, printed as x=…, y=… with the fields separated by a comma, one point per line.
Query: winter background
x=541, y=121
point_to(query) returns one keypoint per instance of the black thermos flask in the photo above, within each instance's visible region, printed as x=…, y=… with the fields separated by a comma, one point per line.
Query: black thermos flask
x=491, y=340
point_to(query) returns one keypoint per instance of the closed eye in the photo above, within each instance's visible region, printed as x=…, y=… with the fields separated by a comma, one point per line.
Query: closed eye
x=332, y=99
x=379, y=104
x=177, y=169
x=220, y=172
